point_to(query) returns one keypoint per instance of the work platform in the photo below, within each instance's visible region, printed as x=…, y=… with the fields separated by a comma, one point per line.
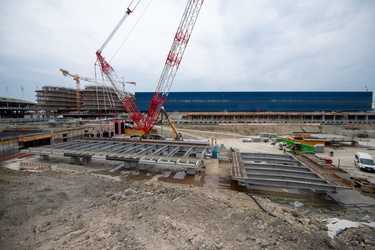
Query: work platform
x=142, y=154
x=281, y=170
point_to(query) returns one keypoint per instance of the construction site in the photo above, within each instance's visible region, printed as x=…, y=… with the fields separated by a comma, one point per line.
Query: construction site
x=100, y=167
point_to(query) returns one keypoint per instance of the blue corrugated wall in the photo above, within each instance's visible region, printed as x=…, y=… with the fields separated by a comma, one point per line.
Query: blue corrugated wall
x=262, y=101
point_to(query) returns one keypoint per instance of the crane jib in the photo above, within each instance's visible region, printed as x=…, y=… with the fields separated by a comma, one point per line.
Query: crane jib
x=127, y=13
x=172, y=62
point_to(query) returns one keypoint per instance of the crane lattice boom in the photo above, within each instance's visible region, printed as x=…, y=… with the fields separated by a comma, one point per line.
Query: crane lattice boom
x=168, y=74
x=172, y=63
x=109, y=73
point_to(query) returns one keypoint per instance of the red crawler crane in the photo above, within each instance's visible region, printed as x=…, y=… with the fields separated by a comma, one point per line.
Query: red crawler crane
x=180, y=41
x=172, y=63
x=109, y=73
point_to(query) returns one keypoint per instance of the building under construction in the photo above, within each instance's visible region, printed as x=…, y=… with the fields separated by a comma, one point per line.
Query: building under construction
x=90, y=102
x=14, y=108
x=56, y=100
x=100, y=98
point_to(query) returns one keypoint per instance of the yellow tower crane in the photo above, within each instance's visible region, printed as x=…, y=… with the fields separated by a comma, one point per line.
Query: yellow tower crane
x=77, y=78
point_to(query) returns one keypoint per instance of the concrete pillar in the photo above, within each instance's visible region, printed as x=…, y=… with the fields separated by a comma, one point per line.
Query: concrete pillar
x=143, y=166
x=44, y=157
x=86, y=160
x=130, y=164
x=75, y=160
x=190, y=171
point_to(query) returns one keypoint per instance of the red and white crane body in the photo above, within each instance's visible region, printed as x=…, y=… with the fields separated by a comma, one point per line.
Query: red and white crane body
x=109, y=73
x=168, y=74
x=172, y=63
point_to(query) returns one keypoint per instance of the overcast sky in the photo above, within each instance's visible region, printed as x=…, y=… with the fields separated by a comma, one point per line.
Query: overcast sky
x=237, y=45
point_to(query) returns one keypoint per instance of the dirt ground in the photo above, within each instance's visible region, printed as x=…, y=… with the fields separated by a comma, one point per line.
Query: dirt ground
x=96, y=210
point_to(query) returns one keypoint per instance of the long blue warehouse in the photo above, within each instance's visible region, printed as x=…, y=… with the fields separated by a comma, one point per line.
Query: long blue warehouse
x=261, y=101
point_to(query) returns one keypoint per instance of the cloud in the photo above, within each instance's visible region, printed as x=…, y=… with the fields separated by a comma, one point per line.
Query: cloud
x=236, y=45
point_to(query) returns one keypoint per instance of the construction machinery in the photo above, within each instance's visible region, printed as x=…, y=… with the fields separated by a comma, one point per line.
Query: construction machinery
x=77, y=78
x=177, y=135
x=110, y=75
x=144, y=124
x=296, y=147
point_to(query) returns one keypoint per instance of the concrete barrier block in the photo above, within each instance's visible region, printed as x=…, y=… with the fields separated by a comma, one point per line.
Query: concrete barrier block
x=71, y=168
x=34, y=166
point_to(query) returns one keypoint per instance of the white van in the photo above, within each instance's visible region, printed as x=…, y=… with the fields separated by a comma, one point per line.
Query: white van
x=364, y=161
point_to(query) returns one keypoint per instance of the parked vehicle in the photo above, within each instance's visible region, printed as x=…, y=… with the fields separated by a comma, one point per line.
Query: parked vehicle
x=364, y=161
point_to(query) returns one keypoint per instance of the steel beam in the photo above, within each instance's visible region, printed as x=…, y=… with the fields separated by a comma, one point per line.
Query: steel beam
x=290, y=184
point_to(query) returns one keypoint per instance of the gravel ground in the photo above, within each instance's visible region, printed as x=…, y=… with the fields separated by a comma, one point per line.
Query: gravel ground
x=92, y=210
x=52, y=210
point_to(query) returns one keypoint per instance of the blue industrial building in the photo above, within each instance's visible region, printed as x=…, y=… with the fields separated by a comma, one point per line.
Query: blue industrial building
x=345, y=101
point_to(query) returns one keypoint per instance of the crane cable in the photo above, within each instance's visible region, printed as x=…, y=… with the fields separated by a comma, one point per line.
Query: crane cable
x=130, y=31
x=264, y=210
